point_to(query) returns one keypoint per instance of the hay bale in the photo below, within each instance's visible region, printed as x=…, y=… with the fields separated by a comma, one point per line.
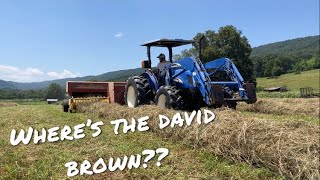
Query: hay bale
x=288, y=148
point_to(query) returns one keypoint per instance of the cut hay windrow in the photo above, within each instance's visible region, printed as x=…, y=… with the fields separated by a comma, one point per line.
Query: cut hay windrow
x=284, y=106
x=7, y=104
x=290, y=148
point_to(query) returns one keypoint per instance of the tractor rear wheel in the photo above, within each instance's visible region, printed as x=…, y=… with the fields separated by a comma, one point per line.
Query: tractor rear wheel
x=136, y=91
x=168, y=97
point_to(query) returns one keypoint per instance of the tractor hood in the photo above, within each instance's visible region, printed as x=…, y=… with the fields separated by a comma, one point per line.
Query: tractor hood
x=187, y=62
x=216, y=63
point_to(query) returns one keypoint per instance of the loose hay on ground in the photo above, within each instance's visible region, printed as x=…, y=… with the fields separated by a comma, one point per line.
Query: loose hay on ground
x=284, y=106
x=288, y=148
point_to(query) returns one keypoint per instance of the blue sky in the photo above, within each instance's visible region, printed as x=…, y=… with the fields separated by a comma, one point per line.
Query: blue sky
x=42, y=40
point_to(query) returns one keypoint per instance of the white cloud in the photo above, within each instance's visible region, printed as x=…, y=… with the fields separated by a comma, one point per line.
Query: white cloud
x=118, y=35
x=64, y=74
x=11, y=73
x=33, y=72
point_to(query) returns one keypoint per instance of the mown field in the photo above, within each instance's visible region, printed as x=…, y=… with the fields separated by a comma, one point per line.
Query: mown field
x=254, y=142
x=293, y=81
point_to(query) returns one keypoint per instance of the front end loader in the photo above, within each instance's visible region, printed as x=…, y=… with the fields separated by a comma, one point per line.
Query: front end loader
x=187, y=83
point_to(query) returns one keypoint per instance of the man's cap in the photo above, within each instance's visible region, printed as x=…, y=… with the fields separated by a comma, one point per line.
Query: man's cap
x=161, y=56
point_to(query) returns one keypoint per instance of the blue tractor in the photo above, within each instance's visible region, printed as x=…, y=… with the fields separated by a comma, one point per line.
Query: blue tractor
x=187, y=83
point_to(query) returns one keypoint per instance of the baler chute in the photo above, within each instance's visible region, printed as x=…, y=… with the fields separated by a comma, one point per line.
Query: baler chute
x=89, y=92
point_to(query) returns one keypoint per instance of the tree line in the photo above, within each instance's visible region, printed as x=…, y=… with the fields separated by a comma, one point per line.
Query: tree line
x=265, y=61
x=227, y=42
x=274, y=65
x=285, y=57
x=54, y=91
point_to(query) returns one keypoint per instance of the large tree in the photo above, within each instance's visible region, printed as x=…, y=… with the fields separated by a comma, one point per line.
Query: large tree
x=54, y=91
x=227, y=42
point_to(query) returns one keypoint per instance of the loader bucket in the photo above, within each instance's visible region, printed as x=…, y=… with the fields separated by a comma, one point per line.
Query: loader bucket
x=251, y=92
x=217, y=97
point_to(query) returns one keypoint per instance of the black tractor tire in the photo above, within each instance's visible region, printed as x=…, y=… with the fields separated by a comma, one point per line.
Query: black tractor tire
x=137, y=91
x=215, y=106
x=65, y=105
x=191, y=102
x=168, y=97
x=231, y=104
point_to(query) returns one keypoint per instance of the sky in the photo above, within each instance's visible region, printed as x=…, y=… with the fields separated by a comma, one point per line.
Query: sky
x=45, y=40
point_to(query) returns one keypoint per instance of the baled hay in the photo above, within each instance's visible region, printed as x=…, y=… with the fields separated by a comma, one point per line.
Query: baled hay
x=284, y=106
x=288, y=148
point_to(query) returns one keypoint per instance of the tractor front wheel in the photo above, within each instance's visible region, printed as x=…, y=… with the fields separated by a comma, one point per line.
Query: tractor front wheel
x=168, y=97
x=231, y=104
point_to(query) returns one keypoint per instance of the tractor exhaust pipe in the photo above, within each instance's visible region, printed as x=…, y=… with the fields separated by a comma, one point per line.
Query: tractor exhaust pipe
x=200, y=48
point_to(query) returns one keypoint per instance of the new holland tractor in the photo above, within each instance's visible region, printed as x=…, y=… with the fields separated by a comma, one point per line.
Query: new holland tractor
x=187, y=83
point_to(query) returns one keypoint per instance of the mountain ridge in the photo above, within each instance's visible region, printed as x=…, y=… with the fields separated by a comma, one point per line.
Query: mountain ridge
x=294, y=46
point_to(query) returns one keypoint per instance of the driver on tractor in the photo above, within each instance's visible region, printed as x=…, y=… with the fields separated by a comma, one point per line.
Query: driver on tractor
x=161, y=68
x=162, y=64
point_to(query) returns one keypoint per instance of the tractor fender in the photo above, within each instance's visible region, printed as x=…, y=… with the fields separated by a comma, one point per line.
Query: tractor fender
x=185, y=80
x=152, y=79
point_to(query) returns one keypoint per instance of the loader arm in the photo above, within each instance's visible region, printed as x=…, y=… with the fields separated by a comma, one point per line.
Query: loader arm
x=227, y=66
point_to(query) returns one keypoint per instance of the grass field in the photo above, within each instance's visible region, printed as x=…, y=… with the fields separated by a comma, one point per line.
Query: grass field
x=45, y=161
x=185, y=161
x=293, y=81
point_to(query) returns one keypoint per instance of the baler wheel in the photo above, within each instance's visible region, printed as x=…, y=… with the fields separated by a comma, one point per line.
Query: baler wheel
x=65, y=105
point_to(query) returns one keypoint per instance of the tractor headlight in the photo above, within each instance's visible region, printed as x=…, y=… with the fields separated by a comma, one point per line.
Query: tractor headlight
x=178, y=80
x=190, y=80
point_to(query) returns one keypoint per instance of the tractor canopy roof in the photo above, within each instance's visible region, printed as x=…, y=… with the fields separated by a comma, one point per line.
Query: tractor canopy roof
x=168, y=42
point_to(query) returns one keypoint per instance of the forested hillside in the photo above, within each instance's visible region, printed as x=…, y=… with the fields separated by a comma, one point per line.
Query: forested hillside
x=121, y=75
x=287, y=56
